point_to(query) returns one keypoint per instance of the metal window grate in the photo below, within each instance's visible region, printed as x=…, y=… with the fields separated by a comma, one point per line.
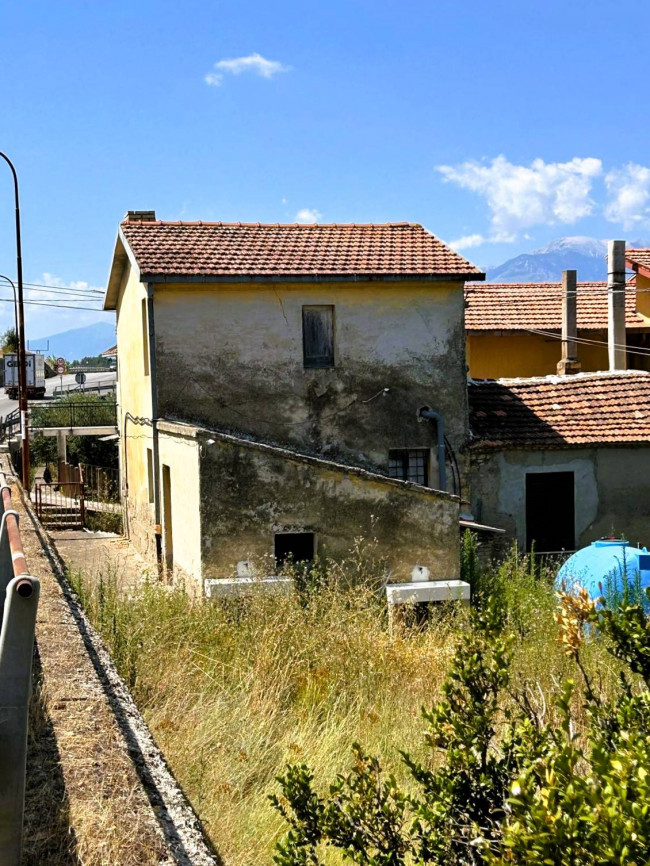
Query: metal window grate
x=409, y=464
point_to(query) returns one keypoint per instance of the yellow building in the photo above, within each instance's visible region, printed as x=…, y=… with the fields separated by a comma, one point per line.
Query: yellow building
x=270, y=382
x=514, y=329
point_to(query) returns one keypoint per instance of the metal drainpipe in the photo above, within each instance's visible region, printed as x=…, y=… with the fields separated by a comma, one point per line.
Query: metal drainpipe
x=440, y=427
x=154, y=422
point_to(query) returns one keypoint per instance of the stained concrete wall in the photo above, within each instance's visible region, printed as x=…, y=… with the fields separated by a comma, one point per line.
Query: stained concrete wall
x=249, y=492
x=611, y=490
x=231, y=357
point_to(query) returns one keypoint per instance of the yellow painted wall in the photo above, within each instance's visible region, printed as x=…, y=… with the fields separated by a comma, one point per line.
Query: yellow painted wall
x=643, y=295
x=134, y=397
x=181, y=453
x=495, y=356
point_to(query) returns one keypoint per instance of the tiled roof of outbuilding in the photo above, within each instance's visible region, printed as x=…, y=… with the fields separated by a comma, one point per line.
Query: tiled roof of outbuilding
x=561, y=411
x=522, y=306
x=638, y=260
x=258, y=250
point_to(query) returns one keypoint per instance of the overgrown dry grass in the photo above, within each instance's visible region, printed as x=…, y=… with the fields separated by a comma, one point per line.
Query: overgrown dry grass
x=233, y=690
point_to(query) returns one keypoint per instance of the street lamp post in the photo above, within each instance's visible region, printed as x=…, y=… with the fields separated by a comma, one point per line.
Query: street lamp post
x=13, y=286
x=22, y=356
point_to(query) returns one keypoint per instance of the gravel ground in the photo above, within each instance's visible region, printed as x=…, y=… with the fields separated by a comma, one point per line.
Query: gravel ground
x=99, y=791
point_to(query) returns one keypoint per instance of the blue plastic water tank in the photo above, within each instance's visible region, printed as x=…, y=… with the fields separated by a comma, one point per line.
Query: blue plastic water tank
x=604, y=564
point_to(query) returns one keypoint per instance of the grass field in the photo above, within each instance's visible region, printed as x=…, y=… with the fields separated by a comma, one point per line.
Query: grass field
x=234, y=690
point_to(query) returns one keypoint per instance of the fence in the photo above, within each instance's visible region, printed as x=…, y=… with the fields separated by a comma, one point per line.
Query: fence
x=18, y=602
x=63, y=414
x=61, y=506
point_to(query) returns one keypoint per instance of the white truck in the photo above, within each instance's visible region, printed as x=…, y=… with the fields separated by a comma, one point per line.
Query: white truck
x=35, y=375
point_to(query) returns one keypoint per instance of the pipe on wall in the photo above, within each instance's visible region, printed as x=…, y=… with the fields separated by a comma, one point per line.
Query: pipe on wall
x=431, y=415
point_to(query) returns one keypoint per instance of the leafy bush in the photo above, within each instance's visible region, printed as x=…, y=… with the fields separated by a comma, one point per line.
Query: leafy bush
x=505, y=782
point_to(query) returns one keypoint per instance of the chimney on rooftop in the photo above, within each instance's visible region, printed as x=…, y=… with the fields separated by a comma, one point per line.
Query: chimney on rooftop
x=616, y=305
x=140, y=216
x=569, y=363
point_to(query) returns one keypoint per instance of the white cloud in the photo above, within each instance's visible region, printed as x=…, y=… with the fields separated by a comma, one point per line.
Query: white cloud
x=467, y=241
x=629, y=195
x=254, y=63
x=519, y=196
x=308, y=215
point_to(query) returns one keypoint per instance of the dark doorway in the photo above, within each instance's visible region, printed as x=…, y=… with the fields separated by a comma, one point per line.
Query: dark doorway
x=550, y=511
x=167, y=519
x=294, y=547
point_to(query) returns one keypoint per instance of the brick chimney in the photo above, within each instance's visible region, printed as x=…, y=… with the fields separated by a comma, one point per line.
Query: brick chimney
x=616, y=337
x=569, y=363
x=140, y=216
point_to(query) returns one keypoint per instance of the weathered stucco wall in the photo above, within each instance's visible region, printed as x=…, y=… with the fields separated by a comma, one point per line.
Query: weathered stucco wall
x=611, y=490
x=134, y=397
x=231, y=357
x=250, y=492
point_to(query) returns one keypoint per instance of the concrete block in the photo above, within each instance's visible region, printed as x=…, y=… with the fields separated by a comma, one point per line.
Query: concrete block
x=238, y=587
x=428, y=591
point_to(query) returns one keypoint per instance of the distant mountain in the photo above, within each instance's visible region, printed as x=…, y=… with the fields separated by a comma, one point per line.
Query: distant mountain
x=586, y=255
x=79, y=342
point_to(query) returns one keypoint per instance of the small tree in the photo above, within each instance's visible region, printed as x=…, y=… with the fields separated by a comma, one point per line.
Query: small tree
x=10, y=341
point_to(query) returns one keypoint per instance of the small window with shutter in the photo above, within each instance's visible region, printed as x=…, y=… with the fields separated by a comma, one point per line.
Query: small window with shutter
x=318, y=336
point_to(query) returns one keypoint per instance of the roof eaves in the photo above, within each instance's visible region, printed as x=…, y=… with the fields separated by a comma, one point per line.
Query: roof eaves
x=309, y=277
x=121, y=254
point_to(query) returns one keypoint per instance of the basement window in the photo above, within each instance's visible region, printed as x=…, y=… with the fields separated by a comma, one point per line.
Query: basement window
x=318, y=336
x=409, y=464
x=294, y=547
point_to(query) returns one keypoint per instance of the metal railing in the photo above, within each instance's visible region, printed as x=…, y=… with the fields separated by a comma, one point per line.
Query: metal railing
x=92, y=388
x=64, y=414
x=62, y=505
x=10, y=424
x=19, y=593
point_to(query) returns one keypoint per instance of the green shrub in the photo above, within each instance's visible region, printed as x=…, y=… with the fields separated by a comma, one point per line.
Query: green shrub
x=504, y=783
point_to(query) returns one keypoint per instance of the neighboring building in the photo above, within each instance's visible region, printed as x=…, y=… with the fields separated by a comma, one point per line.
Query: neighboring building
x=111, y=356
x=270, y=379
x=514, y=329
x=562, y=460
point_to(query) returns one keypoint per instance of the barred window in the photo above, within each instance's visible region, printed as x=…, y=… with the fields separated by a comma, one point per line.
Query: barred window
x=409, y=464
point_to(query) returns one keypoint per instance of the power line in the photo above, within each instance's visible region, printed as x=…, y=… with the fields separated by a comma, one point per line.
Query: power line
x=56, y=306
x=552, y=335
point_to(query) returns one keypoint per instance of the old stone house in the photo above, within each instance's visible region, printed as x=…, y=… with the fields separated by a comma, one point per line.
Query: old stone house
x=562, y=460
x=514, y=329
x=271, y=382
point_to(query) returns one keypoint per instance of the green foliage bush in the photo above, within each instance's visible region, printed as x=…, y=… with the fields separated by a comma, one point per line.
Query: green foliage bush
x=506, y=782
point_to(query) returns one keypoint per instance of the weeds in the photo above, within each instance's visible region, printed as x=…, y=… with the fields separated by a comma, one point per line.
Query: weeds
x=234, y=689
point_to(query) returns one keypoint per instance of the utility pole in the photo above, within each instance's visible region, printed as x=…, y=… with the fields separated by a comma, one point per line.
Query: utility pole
x=22, y=356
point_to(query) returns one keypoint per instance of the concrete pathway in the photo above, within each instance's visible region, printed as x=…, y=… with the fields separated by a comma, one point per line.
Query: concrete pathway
x=100, y=553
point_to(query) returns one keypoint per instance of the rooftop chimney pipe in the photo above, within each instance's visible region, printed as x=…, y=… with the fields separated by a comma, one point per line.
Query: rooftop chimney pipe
x=616, y=305
x=569, y=363
x=140, y=216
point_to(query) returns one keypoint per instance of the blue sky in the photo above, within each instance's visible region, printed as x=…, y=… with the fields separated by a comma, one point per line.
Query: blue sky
x=497, y=125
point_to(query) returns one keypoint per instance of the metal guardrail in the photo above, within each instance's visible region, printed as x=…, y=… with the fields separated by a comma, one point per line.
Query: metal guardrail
x=93, y=388
x=63, y=414
x=10, y=424
x=19, y=593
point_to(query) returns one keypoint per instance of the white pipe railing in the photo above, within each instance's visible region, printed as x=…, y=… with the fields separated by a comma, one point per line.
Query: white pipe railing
x=19, y=593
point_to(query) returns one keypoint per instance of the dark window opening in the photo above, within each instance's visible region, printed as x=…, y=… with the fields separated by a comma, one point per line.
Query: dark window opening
x=318, y=336
x=409, y=464
x=550, y=511
x=294, y=547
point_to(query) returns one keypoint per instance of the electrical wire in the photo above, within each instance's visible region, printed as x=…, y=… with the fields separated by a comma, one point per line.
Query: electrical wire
x=638, y=350
x=56, y=306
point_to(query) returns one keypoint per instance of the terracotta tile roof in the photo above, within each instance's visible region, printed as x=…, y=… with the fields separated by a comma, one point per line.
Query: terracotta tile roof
x=238, y=250
x=519, y=306
x=561, y=411
x=109, y=352
x=638, y=260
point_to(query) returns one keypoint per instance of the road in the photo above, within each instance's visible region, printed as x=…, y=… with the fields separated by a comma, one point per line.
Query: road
x=7, y=405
